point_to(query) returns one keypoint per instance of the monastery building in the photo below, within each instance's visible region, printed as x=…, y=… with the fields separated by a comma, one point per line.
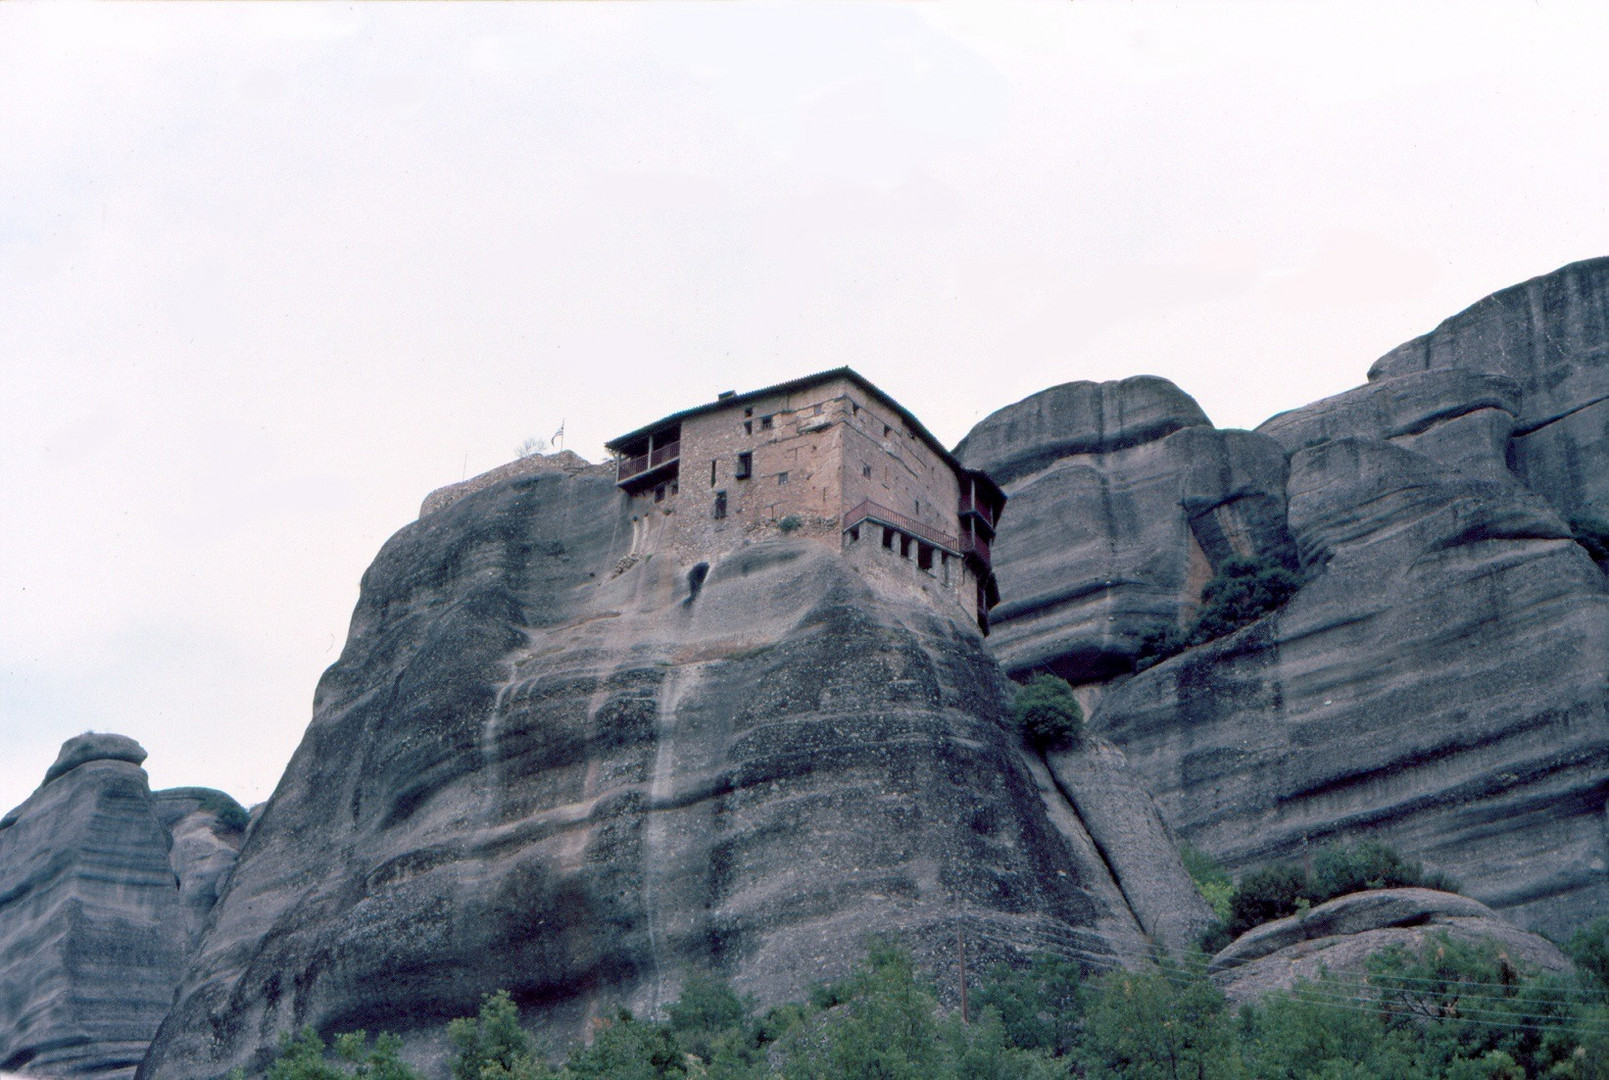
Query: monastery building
x=828, y=457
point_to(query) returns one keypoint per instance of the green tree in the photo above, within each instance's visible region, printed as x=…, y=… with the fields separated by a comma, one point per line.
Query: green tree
x=883, y=1027
x=493, y=1046
x=1039, y=1006
x=626, y=1048
x=1241, y=592
x=302, y=1057
x=1048, y=713
x=1168, y=1023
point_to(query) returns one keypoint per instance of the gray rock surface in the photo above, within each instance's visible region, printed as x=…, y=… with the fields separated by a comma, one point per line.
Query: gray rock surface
x=92, y=937
x=1134, y=842
x=529, y=772
x=1440, y=679
x=1338, y=937
x=207, y=829
x=1551, y=336
x=1122, y=501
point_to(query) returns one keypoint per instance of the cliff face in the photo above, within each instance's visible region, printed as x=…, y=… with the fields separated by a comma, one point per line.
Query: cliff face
x=95, y=923
x=532, y=769
x=1438, y=681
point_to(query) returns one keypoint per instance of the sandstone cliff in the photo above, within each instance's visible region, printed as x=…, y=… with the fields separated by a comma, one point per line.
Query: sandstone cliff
x=97, y=916
x=538, y=768
x=1439, y=680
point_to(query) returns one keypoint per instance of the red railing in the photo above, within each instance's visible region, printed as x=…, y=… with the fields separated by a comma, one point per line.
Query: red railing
x=870, y=510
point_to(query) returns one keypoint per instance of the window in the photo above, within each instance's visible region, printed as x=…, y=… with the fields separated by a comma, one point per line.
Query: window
x=854, y=410
x=918, y=506
x=720, y=505
x=712, y=474
x=888, y=537
x=904, y=546
x=745, y=466
x=782, y=478
x=866, y=471
x=659, y=493
x=765, y=423
x=675, y=486
x=748, y=427
x=749, y=411
x=887, y=431
x=854, y=533
x=924, y=557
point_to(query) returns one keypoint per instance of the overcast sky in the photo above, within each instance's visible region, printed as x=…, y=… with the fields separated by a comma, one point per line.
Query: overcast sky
x=269, y=274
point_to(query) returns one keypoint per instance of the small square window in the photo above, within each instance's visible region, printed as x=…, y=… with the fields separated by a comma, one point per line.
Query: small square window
x=765, y=423
x=782, y=478
x=749, y=411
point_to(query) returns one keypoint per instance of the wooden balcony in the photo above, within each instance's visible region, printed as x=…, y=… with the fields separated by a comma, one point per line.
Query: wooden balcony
x=658, y=463
x=977, y=508
x=978, y=548
x=870, y=511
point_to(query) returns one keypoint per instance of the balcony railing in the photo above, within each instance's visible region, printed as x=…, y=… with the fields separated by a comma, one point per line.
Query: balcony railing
x=632, y=467
x=871, y=511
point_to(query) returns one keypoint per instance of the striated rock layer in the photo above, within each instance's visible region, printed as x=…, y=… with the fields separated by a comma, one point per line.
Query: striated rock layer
x=540, y=768
x=96, y=919
x=1439, y=681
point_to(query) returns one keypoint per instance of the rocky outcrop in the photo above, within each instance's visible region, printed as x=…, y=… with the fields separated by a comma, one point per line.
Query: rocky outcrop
x=1338, y=937
x=1123, y=499
x=530, y=771
x=1550, y=335
x=95, y=923
x=206, y=829
x=1439, y=681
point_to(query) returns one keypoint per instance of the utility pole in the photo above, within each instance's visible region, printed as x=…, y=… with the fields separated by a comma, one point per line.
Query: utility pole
x=961, y=947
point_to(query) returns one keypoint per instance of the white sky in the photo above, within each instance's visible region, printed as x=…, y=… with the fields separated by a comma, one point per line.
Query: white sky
x=269, y=274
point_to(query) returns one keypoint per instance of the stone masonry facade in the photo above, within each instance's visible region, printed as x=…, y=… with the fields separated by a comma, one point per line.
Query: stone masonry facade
x=829, y=458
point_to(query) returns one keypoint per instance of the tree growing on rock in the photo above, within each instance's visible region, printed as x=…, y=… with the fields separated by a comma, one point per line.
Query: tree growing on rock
x=1048, y=713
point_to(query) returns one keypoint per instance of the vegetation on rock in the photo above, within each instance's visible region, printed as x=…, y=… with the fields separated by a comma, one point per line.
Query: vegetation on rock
x=1592, y=533
x=1448, y=1011
x=1282, y=889
x=1048, y=713
x=1241, y=592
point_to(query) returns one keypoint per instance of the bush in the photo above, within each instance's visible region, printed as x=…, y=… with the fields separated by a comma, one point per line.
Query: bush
x=1589, y=948
x=1211, y=880
x=301, y=1057
x=1267, y=894
x=1048, y=714
x=1242, y=591
x=791, y=523
x=1339, y=869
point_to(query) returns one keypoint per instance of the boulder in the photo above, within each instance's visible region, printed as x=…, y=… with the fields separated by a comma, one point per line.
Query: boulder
x=1122, y=501
x=1337, y=939
x=542, y=768
x=92, y=934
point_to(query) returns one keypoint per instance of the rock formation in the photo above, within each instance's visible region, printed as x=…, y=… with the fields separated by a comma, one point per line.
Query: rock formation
x=540, y=769
x=1122, y=499
x=96, y=919
x=1439, y=681
x=1338, y=936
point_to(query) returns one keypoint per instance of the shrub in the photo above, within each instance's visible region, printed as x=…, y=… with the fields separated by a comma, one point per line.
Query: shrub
x=1048, y=713
x=790, y=523
x=1039, y=1005
x=1589, y=948
x=1240, y=593
x=1341, y=869
x=1267, y=894
x=1211, y=880
x=301, y=1057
